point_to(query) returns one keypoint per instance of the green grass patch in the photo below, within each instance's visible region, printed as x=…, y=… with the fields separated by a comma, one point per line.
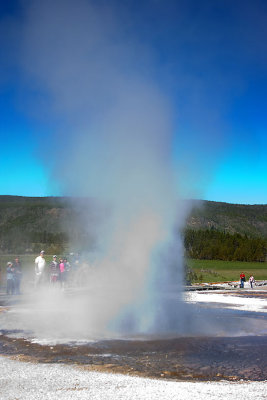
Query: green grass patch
x=218, y=271
x=205, y=270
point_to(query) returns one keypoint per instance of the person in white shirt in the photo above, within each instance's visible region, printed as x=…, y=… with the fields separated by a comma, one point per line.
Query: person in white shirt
x=40, y=268
x=251, y=281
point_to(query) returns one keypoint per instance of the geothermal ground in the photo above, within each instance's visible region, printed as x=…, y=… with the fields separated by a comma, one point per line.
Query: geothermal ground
x=188, y=361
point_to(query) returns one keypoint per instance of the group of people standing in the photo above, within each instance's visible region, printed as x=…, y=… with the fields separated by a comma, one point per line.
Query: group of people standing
x=13, y=276
x=56, y=273
x=243, y=280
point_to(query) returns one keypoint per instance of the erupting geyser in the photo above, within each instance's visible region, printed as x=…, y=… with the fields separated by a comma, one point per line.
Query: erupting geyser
x=113, y=133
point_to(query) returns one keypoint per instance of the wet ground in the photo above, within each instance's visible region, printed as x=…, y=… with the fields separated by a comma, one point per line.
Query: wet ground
x=206, y=358
x=182, y=358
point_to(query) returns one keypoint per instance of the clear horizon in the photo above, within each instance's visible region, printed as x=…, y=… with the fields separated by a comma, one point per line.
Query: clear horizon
x=183, y=199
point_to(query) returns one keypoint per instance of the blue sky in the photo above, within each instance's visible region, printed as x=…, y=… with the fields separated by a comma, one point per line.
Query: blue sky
x=208, y=58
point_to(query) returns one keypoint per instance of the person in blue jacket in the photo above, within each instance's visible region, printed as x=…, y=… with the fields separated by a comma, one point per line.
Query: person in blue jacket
x=10, y=278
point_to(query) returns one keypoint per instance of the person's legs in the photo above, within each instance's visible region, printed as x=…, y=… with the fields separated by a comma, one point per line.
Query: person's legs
x=8, y=286
x=13, y=286
x=37, y=280
x=18, y=286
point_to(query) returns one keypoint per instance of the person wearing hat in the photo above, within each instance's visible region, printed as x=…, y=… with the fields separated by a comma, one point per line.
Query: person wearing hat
x=54, y=270
x=40, y=268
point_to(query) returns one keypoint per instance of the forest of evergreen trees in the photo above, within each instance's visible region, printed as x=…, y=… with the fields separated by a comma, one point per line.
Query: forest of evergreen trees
x=215, y=231
x=210, y=244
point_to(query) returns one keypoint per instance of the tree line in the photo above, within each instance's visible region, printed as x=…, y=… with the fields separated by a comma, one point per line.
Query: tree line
x=210, y=244
x=19, y=242
x=215, y=231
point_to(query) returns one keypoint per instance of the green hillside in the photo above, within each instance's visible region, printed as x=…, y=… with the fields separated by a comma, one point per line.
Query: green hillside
x=213, y=230
x=228, y=232
x=30, y=223
x=250, y=220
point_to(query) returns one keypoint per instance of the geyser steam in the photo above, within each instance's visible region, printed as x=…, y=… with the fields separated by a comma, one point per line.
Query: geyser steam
x=112, y=134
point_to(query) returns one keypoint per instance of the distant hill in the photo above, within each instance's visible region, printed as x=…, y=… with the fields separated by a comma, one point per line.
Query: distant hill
x=30, y=223
x=250, y=220
x=229, y=232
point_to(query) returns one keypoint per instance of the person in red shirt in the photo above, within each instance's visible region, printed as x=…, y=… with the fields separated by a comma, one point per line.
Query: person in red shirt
x=242, y=279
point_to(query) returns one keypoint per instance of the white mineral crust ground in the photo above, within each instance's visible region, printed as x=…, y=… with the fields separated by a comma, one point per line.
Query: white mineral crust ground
x=28, y=381
x=229, y=300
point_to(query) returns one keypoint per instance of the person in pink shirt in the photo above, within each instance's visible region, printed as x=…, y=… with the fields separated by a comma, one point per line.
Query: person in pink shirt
x=62, y=272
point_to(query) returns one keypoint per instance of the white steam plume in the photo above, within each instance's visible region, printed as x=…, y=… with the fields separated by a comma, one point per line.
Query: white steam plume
x=113, y=141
